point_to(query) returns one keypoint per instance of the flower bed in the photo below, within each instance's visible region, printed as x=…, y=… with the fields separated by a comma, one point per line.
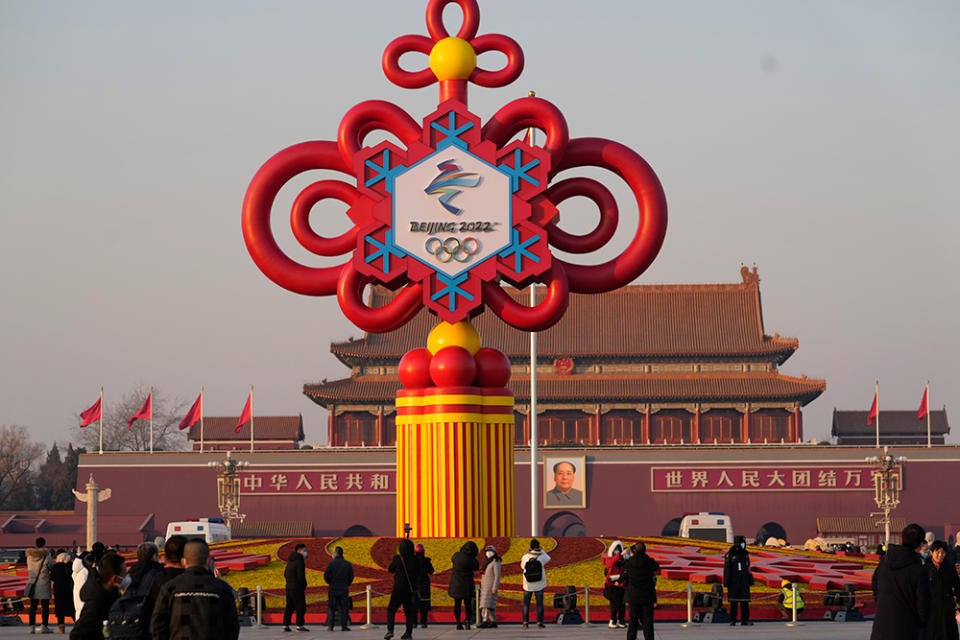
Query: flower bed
x=574, y=561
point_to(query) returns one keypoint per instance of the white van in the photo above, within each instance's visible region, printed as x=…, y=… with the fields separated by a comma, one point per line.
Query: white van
x=707, y=526
x=207, y=529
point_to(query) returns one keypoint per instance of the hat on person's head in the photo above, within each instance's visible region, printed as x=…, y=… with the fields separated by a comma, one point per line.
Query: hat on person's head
x=784, y=583
x=490, y=547
x=419, y=548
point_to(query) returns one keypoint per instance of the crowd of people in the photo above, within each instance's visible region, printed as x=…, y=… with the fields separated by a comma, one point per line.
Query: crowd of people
x=630, y=578
x=179, y=599
x=917, y=589
x=915, y=585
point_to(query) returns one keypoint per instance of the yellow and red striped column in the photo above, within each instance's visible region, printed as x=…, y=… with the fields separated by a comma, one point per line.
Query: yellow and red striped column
x=455, y=438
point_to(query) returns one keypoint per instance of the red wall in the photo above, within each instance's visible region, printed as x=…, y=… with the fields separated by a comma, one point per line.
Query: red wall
x=619, y=500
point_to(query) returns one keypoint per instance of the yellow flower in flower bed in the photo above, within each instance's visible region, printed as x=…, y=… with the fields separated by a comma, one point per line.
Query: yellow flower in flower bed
x=519, y=546
x=356, y=550
x=269, y=576
x=266, y=548
x=588, y=572
x=441, y=550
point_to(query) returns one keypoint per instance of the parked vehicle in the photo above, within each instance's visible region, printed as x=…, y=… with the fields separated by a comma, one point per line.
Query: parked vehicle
x=207, y=529
x=707, y=526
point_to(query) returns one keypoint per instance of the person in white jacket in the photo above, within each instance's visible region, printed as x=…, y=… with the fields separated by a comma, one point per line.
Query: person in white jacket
x=533, y=568
x=80, y=573
x=81, y=570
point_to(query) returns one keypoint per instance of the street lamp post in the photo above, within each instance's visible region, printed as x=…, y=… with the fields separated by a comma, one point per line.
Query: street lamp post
x=228, y=488
x=887, y=483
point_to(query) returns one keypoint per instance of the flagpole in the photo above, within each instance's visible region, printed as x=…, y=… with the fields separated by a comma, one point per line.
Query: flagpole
x=201, y=418
x=877, y=395
x=151, y=419
x=101, y=420
x=251, y=418
x=534, y=437
x=927, y=396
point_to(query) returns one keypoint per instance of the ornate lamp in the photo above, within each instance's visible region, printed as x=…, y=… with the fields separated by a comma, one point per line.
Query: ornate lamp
x=228, y=487
x=887, y=482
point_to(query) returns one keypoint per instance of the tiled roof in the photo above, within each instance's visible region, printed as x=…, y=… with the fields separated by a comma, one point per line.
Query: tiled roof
x=848, y=423
x=635, y=388
x=247, y=529
x=847, y=524
x=264, y=428
x=634, y=321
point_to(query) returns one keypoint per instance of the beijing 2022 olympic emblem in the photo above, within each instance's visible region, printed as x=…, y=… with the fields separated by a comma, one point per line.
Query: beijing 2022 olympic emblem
x=462, y=206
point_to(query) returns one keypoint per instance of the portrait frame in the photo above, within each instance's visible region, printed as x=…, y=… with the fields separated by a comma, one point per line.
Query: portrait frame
x=551, y=499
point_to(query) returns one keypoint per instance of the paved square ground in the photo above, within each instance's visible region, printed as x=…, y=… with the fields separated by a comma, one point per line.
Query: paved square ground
x=814, y=630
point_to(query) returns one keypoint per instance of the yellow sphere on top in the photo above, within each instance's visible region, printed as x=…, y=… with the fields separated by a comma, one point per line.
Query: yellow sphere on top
x=461, y=334
x=453, y=59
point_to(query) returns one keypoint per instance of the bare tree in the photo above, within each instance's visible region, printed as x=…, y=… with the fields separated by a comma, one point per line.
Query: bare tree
x=117, y=437
x=17, y=455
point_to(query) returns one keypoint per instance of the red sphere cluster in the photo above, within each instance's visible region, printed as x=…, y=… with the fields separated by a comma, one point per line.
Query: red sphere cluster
x=454, y=367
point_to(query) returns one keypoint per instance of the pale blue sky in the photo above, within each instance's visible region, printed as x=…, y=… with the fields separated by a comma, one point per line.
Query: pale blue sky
x=816, y=139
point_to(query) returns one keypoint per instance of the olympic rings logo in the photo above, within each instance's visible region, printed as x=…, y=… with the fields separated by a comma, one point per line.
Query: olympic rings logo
x=452, y=248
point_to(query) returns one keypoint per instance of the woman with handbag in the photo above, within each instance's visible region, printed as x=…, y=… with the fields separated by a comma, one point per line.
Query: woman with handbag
x=38, y=585
x=613, y=584
x=405, y=568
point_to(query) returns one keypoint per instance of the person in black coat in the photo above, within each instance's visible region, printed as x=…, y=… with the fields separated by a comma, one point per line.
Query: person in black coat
x=640, y=571
x=172, y=566
x=143, y=574
x=737, y=580
x=339, y=576
x=901, y=589
x=464, y=565
x=296, y=577
x=62, y=575
x=99, y=593
x=423, y=584
x=195, y=604
x=405, y=568
x=944, y=594
x=146, y=567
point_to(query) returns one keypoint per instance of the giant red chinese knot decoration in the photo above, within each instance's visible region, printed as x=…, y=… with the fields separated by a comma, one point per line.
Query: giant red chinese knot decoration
x=463, y=206
x=443, y=221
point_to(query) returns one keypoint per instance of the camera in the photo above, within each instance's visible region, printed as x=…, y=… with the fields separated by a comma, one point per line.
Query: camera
x=842, y=605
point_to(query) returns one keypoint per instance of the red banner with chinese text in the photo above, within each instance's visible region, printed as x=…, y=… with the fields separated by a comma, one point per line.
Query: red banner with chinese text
x=332, y=482
x=798, y=477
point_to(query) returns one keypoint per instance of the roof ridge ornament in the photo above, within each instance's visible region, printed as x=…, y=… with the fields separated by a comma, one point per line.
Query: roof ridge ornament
x=505, y=227
x=749, y=277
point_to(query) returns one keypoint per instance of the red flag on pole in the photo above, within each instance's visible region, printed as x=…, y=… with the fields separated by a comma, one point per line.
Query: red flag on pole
x=144, y=413
x=246, y=414
x=924, y=405
x=873, y=410
x=92, y=414
x=194, y=414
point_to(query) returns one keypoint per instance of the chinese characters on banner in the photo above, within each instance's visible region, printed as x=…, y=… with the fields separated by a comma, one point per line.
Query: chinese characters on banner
x=825, y=477
x=260, y=483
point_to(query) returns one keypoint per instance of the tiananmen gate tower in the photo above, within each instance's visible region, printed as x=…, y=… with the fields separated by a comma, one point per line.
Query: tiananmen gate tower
x=645, y=364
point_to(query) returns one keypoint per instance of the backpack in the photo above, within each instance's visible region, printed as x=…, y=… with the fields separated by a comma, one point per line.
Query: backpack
x=127, y=619
x=533, y=570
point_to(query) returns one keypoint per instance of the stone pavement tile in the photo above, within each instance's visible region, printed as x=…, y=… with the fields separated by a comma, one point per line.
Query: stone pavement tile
x=813, y=630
